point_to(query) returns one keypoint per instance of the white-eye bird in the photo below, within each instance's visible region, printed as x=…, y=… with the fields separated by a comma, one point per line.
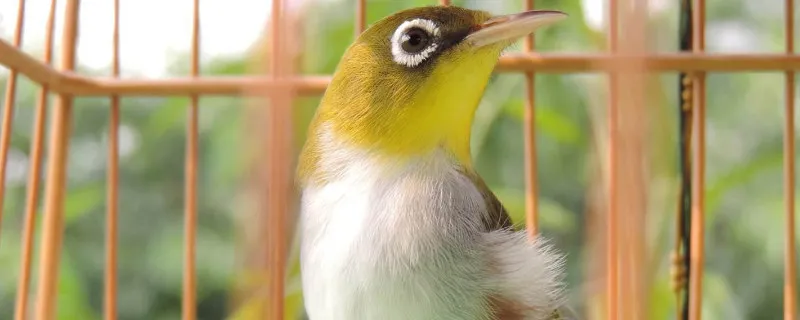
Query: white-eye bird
x=395, y=222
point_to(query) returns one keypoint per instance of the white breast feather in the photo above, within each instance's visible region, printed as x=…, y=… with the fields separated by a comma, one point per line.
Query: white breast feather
x=407, y=243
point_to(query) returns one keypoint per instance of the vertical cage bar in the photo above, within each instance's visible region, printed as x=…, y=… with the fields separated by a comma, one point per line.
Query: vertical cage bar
x=361, y=17
x=529, y=130
x=629, y=137
x=112, y=205
x=790, y=254
x=697, y=240
x=8, y=108
x=612, y=258
x=53, y=223
x=190, y=214
x=32, y=193
x=278, y=184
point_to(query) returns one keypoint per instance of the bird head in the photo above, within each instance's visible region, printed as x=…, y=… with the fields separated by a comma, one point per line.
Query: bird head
x=411, y=82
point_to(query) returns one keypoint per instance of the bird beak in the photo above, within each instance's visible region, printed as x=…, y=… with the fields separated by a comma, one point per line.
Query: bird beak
x=508, y=28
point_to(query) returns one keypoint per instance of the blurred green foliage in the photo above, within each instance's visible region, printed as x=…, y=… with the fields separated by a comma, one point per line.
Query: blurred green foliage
x=744, y=266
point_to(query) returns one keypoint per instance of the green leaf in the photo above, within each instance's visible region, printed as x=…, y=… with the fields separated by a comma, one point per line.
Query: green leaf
x=548, y=122
x=719, y=301
x=168, y=116
x=249, y=310
x=499, y=93
x=73, y=302
x=662, y=299
x=738, y=176
x=83, y=200
x=552, y=215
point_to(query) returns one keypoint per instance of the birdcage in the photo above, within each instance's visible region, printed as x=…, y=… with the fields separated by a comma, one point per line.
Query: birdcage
x=627, y=63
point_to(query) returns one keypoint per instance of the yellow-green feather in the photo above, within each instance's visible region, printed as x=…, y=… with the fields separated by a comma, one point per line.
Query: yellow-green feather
x=396, y=112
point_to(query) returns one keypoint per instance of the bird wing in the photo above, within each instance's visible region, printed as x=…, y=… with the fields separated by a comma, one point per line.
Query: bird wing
x=497, y=216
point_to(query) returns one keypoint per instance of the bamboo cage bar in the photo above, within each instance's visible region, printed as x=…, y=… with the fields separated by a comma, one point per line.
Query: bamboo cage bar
x=8, y=106
x=629, y=169
x=34, y=174
x=612, y=232
x=55, y=184
x=790, y=252
x=361, y=17
x=112, y=188
x=70, y=83
x=279, y=122
x=529, y=141
x=697, y=241
x=189, y=309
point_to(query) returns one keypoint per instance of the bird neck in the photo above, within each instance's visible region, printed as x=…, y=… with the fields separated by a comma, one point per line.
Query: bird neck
x=328, y=152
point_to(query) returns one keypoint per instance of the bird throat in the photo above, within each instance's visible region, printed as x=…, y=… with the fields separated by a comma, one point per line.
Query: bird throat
x=401, y=116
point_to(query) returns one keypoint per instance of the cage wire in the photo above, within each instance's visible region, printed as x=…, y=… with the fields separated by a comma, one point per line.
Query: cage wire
x=627, y=63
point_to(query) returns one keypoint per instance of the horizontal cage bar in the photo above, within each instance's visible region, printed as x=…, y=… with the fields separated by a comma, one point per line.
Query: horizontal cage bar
x=71, y=83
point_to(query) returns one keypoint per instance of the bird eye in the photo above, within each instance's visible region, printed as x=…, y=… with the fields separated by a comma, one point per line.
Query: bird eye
x=414, y=41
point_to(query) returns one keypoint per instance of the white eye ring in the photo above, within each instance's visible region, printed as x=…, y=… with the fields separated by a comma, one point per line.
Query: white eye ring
x=413, y=59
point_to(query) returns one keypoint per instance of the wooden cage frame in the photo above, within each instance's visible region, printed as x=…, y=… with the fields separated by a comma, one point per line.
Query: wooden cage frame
x=626, y=62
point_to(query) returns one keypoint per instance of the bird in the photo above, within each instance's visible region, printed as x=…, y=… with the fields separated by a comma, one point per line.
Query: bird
x=395, y=222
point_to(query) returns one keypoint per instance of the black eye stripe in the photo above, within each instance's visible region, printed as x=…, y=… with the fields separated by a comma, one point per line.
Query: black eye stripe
x=451, y=39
